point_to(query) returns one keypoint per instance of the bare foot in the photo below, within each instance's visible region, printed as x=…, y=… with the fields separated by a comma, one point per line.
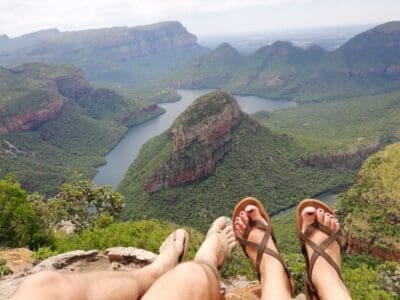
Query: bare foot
x=274, y=281
x=324, y=277
x=217, y=245
x=170, y=250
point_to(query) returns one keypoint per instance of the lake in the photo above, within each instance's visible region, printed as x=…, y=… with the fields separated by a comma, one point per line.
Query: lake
x=125, y=152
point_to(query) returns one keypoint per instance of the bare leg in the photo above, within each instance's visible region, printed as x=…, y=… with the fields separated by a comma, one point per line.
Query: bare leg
x=103, y=285
x=324, y=276
x=194, y=280
x=274, y=281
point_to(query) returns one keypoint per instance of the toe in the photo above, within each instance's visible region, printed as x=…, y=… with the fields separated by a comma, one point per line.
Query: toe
x=308, y=215
x=220, y=223
x=320, y=215
x=327, y=220
x=241, y=223
x=333, y=223
x=244, y=217
x=238, y=230
x=337, y=225
x=253, y=213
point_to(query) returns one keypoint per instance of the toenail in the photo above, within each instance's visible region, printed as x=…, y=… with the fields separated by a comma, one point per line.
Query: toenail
x=320, y=210
x=241, y=213
x=310, y=213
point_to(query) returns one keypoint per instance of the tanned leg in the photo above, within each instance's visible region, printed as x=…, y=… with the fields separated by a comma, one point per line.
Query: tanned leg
x=103, y=285
x=196, y=280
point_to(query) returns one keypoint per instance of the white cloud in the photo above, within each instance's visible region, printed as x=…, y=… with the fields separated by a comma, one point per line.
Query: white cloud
x=200, y=16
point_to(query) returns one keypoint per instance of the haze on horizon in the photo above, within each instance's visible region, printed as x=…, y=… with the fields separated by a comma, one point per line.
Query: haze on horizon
x=202, y=17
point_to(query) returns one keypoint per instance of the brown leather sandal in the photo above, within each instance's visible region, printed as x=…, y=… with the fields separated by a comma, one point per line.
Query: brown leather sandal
x=262, y=246
x=319, y=250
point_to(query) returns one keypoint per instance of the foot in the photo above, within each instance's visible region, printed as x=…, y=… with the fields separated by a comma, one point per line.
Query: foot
x=217, y=246
x=274, y=280
x=170, y=251
x=324, y=277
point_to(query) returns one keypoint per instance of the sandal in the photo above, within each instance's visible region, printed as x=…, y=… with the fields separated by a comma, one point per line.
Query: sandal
x=262, y=246
x=318, y=250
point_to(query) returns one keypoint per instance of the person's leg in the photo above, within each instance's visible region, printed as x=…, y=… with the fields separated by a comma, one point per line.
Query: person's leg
x=324, y=277
x=198, y=279
x=103, y=285
x=274, y=280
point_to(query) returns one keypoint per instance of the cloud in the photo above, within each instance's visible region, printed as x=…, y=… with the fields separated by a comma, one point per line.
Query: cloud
x=200, y=16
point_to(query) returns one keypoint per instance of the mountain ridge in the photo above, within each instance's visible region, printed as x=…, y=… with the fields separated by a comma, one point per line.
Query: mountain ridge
x=284, y=71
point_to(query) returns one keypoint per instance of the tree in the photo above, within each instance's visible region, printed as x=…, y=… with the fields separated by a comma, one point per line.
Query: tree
x=19, y=224
x=82, y=204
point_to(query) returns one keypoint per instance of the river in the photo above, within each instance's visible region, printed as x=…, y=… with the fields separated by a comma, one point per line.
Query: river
x=125, y=152
x=329, y=198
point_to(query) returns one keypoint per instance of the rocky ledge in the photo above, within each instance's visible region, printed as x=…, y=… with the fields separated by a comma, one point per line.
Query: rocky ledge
x=31, y=118
x=201, y=137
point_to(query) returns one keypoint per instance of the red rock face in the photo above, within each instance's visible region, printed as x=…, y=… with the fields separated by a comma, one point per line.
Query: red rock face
x=29, y=119
x=356, y=246
x=350, y=160
x=197, y=148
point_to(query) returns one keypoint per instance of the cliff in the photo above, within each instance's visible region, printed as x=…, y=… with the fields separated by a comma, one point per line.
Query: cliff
x=201, y=137
x=350, y=160
x=31, y=118
x=371, y=208
x=117, y=54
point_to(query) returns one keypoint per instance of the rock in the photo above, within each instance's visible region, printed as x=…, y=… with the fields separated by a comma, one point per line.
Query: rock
x=201, y=137
x=63, y=260
x=117, y=259
x=31, y=118
x=18, y=259
x=350, y=160
x=128, y=255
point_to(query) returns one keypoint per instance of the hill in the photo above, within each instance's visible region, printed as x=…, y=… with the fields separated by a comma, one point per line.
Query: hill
x=53, y=122
x=371, y=208
x=212, y=156
x=367, y=64
x=119, y=54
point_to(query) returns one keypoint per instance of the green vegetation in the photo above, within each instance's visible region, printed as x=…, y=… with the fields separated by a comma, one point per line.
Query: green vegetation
x=145, y=234
x=89, y=125
x=19, y=223
x=339, y=125
x=371, y=208
x=365, y=65
x=4, y=270
x=262, y=164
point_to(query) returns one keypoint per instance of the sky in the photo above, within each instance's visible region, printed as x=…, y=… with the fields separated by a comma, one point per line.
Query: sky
x=201, y=17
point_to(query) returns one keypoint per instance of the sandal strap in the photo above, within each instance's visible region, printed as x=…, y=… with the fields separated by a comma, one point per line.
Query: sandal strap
x=318, y=250
x=262, y=246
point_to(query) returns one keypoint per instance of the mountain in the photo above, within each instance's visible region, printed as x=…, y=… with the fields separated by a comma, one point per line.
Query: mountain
x=369, y=63
x=213, y=69
x=371, y=208
x=53, y=123
x=118, y=54
x=4, y=37
x=213, y=155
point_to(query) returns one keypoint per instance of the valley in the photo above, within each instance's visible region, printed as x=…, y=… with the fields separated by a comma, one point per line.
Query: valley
x=157, y=131
x=125, y=152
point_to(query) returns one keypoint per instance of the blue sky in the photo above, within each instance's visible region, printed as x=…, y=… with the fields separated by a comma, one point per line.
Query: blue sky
x=202, y=17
